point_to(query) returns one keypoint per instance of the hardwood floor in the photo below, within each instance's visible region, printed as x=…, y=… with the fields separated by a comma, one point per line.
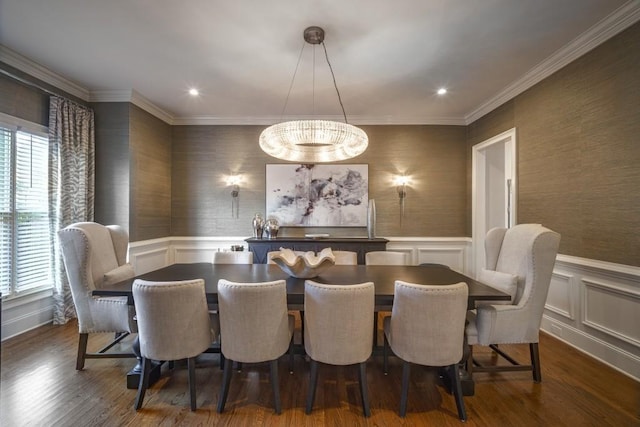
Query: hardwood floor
x=40, y=386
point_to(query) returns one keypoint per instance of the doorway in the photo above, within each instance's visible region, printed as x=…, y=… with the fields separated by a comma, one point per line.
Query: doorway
x=494, y=190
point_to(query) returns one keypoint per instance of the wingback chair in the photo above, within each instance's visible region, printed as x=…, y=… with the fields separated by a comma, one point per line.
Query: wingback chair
x=94, y=256
x=519, y=261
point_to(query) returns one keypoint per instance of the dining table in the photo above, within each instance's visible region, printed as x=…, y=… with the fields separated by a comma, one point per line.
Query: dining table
x=383, y=277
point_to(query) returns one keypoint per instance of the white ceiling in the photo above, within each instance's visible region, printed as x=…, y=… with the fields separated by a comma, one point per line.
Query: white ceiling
x=389, y=57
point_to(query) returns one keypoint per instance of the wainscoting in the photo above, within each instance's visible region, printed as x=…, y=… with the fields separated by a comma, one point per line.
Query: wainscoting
x=592, y=305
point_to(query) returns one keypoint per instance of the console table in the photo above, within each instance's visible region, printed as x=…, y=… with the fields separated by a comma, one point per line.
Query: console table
x=361, y=246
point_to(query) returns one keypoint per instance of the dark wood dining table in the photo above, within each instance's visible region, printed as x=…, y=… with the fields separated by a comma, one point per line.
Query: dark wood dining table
x=383, y=277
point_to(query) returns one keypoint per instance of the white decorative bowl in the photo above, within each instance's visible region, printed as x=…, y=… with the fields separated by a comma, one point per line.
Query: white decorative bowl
x=306, y=265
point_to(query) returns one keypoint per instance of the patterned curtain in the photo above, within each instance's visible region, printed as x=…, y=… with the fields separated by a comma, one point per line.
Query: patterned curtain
x=71, y=186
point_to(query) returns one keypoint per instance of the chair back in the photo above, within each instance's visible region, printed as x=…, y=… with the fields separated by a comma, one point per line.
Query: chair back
x=386, y=258
x=427, y=323
x=233, y=257
x=345, y=257
x=95, y=255
x=254, y=321
x=338, y=322
x=527, y=251
x=173, y=319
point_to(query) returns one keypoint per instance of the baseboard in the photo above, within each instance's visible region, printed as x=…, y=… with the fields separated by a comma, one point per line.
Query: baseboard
x=615, y=357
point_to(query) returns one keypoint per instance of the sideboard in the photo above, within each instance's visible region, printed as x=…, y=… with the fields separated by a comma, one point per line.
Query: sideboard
x=361, y=246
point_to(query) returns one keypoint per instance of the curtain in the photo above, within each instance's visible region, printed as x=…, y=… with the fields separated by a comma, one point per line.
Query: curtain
x=71, y=186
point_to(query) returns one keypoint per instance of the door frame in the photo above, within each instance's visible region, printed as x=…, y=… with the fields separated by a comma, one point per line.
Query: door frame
x=479, y=206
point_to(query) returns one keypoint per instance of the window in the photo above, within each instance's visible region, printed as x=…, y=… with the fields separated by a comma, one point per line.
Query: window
x=25, y=249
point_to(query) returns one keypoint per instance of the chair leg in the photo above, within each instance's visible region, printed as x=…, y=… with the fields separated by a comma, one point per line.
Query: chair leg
x=291, y=355
x=226, y=380
x=362, y=371
x=406, y=371
x=457, y=392
x=191, y=367
x=143, y=384
x=385, y=355
x=375, y=329
x=535, y=361
x=313, y=381
x=275, y=386
x=302, y=327
x=82, y=351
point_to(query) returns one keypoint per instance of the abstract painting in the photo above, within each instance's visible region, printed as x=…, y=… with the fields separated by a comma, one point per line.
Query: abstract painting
x=326, y=195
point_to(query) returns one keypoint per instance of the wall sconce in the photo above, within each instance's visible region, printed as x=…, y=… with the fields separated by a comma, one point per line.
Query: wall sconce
x=234, y=181
x=401, y=181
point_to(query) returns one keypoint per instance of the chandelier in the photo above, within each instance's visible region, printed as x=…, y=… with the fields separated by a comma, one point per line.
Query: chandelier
x=314, y=141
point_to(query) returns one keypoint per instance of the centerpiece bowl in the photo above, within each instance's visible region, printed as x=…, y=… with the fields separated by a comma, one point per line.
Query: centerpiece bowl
x=304, y=265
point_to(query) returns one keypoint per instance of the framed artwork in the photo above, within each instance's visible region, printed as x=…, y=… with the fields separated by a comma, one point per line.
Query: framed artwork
x=320, y=195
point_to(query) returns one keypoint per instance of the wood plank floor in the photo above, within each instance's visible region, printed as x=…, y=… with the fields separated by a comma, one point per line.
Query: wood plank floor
x=40, y=387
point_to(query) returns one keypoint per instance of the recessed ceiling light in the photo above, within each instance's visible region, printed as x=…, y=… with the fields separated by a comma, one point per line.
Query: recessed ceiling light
x=442, y=91
x=194, y=92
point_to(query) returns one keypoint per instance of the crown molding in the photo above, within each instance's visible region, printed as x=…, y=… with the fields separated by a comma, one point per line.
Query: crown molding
x=134, y=97
x=621, y=19
x=36, y=70
x=354, y=120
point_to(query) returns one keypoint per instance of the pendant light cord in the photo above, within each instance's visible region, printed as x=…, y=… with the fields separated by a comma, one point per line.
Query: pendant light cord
x=334, y=82
x=333, y=76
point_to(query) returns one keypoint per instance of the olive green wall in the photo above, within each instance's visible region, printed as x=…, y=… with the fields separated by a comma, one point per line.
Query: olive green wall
x=433, y=156
x=578, y=151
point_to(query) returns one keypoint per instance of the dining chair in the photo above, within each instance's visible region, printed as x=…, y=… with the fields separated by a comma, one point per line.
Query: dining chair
x=254, y=327
x=233, y=257
x=345, y=257
x=337, y=331
x=173, y=324
x=95, y=256
x=426, y=327
x=386, y=258
x=519, y=261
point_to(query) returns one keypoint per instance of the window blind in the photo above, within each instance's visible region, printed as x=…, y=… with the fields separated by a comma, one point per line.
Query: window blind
x=25, y=256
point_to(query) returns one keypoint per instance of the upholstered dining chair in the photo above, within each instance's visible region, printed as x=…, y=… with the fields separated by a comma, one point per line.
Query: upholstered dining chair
x=345, y=257
x=337, y=330
x=254, y=327
x=173, y=324
x=386, y=258
x=519, y=261
x=96, y=255
x=426, y=327
x=233, y=257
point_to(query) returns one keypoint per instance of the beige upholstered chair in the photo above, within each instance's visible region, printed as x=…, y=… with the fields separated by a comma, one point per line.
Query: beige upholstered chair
x=519, y=261
x=254, y=327
x=345, y=257
x=173, y=324
x=337, y=330
x=386, y=258
x=95, y=255
x=234, y=257
x=426, y=327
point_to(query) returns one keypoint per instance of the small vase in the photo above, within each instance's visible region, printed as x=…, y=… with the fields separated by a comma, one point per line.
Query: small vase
x=258, y=226
x=371, y=219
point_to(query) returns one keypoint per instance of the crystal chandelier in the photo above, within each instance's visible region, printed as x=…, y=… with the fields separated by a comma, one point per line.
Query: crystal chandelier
x=314, y=141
